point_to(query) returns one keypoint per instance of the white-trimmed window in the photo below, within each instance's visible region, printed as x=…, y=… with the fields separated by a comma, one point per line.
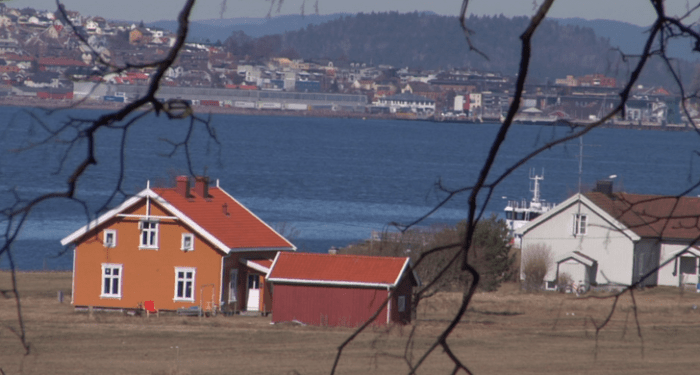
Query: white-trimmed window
x=110, y=238
x=184, y=284
x=111, y=280
x=401, y=301
x=149, y=234
x=187, y=243
x=580, y=222
x=550, y=285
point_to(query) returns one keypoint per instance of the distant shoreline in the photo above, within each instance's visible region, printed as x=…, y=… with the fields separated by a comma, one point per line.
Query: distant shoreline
x=201, y=110
x=48, y=104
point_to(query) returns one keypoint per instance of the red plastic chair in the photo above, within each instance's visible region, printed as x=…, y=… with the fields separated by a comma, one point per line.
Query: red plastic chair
x=151, y=308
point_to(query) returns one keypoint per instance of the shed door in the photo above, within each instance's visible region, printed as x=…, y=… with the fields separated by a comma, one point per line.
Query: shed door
x=253, y=293
x=689, y=270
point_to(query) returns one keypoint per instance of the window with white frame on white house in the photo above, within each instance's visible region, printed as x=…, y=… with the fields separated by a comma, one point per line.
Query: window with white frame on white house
x=110, y=238
x=580, y=224
x=111, y=280
x=184, y=284
x=187, y=242
x=149, y=234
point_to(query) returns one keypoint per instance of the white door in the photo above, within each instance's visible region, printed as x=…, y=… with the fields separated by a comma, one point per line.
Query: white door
x=253, y=293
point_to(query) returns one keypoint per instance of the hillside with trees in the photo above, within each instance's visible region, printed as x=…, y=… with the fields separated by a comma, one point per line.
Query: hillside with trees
x=431, y=42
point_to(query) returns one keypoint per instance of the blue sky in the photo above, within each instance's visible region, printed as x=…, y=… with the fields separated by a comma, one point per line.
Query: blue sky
x=638, y=12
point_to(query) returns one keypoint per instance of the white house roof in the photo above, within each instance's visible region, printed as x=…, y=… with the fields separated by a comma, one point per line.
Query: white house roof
x=577, y=256
x=531, y=110
x=693, y=251
x=582, y=199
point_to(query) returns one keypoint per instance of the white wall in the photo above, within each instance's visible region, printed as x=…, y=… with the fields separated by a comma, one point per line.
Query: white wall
x=576, y=270
x=91, y=89
x=612, y=249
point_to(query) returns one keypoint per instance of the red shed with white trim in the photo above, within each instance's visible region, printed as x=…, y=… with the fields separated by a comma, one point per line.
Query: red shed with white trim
x=341, y=290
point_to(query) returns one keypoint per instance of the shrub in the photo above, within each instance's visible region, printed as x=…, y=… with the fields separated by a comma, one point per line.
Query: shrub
x=490, y=254
x=536, y=262
x=563, y=281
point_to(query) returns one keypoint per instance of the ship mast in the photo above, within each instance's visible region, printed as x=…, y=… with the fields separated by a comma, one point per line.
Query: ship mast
x=536, y=185
x=580, y=162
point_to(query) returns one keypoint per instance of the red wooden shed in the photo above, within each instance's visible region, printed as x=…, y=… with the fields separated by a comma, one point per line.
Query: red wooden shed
x=340, y=290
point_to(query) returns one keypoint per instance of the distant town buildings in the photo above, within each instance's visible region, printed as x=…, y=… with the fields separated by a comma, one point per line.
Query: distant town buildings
x=61, y=55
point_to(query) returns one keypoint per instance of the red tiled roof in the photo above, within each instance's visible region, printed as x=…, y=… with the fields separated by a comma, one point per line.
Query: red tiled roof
x=137, y=75
x=654, y=216
x=336, y=269
x=16, y=57
x=267, y=263
x=226, y=219
x=61, y=61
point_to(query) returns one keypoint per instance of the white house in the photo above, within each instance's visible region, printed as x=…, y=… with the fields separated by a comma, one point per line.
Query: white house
x=611, y=239
x=406, y=103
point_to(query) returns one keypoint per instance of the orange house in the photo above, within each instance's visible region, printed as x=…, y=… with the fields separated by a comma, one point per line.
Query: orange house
x=179, y=247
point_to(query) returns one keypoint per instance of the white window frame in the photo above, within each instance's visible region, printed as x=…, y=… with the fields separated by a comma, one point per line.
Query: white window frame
x=106, y=234
x=143, y=230
x=401, y=302
x=550, y=285
x=185, y=280
x=109, y=276
x=580, y=225
x=186, y=236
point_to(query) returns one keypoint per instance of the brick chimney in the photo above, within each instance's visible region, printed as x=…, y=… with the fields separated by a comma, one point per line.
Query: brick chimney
x=182, y=186
x=605, y=187
x=201, y=186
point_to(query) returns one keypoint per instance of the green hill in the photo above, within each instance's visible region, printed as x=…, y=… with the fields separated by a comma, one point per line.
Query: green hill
x=429, y=41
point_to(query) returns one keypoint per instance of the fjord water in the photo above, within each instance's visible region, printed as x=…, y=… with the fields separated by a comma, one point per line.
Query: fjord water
x=333, y=180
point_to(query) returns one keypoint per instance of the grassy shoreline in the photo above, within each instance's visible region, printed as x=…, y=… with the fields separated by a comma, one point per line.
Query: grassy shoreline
x=507, y=331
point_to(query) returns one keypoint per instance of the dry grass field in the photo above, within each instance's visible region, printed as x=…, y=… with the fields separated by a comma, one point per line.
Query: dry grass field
x=506, y=332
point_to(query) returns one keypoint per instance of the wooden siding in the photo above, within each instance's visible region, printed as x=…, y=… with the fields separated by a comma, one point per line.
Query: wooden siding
x=328, y=306
x=146, y=274
x=405, y=288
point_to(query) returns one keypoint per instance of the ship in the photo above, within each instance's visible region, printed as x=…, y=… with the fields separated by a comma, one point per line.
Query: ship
x=519, y=213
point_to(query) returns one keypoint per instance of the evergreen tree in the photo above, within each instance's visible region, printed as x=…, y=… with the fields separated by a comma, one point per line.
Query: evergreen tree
x=491, y=252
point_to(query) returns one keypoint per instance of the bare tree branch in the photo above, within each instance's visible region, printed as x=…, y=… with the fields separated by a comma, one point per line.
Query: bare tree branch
x=83, y=130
